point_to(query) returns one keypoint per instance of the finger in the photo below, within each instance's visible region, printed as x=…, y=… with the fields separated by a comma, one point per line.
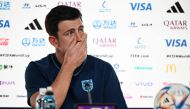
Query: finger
x=72, y=43
x=83, y=47
x=83, y=43
x=84, y=36
x=83, y=40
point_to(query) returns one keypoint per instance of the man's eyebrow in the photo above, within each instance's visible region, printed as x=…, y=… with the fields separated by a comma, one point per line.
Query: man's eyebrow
x=71, y=29
x=82, y=26
x=74, y=28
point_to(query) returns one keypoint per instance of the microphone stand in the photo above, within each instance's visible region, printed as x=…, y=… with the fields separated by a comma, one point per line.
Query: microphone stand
x=89, y=97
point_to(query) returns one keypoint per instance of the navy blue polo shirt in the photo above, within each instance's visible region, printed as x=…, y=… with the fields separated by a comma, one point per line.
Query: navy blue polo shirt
x=104, y=84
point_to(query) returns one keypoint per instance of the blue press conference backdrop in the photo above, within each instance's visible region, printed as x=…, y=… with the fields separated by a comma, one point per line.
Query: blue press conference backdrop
x=146, y=41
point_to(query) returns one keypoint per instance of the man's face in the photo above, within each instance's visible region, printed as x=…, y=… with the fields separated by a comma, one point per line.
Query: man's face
x=68, y=31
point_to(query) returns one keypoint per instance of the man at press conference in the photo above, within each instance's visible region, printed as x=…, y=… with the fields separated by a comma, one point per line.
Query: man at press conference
x=70, y=69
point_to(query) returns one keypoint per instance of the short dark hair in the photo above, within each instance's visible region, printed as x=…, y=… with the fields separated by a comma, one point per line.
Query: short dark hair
x=58, y=14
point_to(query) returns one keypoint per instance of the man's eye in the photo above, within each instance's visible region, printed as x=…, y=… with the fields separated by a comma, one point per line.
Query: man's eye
x=69, y=33
x=66, y=34
x=81, y=30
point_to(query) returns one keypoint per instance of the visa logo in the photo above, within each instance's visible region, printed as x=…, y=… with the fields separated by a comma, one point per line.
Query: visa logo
x=176, y=42
x=141, y=6
x=4, y=24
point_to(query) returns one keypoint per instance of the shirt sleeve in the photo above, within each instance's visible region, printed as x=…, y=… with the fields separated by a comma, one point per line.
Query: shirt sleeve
x=34, y=79
x=112, y=89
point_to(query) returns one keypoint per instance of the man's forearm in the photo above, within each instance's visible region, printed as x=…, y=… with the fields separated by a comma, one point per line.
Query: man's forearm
x=61, y=85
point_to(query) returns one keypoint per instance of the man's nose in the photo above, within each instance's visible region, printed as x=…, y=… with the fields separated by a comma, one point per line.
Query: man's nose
x=78, y=36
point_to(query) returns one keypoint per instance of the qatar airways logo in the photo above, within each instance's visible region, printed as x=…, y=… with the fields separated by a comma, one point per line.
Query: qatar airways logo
x=176, y=24
x=105, y=42
x=76, y=4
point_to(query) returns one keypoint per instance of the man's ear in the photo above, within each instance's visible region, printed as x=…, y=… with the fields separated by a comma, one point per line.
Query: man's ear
x=53, y=41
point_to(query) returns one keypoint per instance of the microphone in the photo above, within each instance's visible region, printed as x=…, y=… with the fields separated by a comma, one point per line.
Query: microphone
x=87, y=85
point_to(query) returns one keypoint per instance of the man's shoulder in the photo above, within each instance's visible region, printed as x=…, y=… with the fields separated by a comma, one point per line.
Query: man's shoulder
x=97, y=60
x=44, y=60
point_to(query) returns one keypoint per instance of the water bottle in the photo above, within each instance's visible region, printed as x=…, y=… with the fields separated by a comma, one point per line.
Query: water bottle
x=39, y=98
x=49, y=99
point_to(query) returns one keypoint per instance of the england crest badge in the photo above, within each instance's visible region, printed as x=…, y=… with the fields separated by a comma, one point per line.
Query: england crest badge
x=87, y=85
